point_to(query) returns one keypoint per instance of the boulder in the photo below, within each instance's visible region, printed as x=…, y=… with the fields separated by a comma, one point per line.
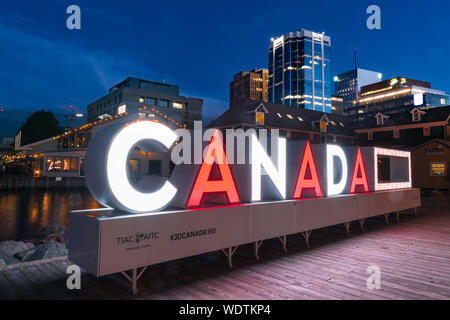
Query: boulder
x=10, y=248
x=51, y=232
x=2, y=263
x=7, y=259
x=51, y=249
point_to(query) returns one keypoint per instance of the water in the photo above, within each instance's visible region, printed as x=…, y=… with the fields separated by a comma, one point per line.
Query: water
x=25, y=213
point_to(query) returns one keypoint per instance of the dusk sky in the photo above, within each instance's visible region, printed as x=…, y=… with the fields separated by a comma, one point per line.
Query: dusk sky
x=198, y=45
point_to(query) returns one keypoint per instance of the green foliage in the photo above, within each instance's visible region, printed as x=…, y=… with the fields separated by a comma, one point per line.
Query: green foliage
x=40, y=125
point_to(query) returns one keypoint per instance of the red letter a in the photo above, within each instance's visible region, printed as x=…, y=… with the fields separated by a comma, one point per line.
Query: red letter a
x=362, y=180
x=302, y=181
x=202, y=183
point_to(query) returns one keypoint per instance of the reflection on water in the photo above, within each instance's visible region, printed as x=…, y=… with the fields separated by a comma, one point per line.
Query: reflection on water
x=24, y=213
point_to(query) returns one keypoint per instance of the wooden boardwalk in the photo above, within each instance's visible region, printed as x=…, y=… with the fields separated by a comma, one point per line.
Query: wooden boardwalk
x=413, y=255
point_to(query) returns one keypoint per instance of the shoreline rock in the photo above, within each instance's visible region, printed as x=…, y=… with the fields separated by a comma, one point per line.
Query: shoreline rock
x=50, y=242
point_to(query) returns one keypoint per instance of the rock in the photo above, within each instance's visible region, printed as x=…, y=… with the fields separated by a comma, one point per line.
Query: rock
x=7, y=259
x=12, y=247
x=2, y=263
x=30, y=245
x=51, y=249
x=51, y=232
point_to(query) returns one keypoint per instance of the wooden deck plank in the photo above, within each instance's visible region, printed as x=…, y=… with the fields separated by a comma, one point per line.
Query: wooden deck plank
x=413, y=257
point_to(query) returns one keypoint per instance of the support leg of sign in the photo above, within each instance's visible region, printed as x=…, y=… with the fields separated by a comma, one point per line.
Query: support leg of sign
x=134, y=278
x=386, y=218
x=361, y=223
x=306, y=235
x=398, y=216
x=283, y=242
x=229, y=254
x=347, y=227
x=257, y=246
x=415, y=211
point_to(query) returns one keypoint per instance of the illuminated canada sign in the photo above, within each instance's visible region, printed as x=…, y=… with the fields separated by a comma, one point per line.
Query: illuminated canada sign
x=284, y=170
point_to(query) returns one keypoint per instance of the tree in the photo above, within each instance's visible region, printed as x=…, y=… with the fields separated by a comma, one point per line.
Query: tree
x=40, y=125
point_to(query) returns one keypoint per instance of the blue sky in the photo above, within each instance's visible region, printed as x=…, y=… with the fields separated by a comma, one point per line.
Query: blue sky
x=198, y=45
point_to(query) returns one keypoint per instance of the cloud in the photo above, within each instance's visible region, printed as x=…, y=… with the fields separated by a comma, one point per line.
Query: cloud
x=39, y=73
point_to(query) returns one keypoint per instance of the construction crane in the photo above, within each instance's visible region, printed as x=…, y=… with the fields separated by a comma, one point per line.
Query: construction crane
x=71, y=116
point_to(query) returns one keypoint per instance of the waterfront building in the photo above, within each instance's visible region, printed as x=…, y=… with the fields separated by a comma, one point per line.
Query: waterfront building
x=62, y=157
x=293, y=123
x=251, y=85
x=405, y=129
x=133, y=95
x=348, y=84
x=430, y=165
x=396, y=95
x=300, y=70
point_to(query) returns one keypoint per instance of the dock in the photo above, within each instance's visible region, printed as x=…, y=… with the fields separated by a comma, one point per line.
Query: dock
x=413, y=256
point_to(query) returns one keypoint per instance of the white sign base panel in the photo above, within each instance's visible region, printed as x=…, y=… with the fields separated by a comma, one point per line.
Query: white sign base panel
x=104, y=241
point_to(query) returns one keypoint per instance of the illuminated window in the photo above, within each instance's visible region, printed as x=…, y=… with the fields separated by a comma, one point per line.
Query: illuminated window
x=426, y=132
x=279, y=115
x=53, y=164
x=141, y=99
x=442, y=101
x=177, y=105
x=438, y=169
x=300, y=118
x=133, y=167
x=396, y=134
x=122, y=109
x=70, y=164
x=289, y=116
x=370, y=136
x=259, y=119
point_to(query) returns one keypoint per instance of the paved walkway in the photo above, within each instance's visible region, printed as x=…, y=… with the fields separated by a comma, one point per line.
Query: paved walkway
x=413, y=255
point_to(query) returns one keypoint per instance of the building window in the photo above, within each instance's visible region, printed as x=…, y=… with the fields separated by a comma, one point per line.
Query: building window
x=163, y=103
x=438, y=169
x=141, y=100
x=133, y=167
x=70, y=164
x=426, y=132
x=53, y=164
x=370, y=136
x=82, y=167
x=396, y=134
x=122, y=109
x=154, y=167
x=177, y=105
x=259, y=119
x=150, y=101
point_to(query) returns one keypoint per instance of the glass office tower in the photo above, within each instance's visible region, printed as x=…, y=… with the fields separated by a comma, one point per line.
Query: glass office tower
x=299, y=64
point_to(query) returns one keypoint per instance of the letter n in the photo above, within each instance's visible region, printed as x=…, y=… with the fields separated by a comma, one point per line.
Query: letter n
x=361, y=179
x=202, y=184
x=302, y=181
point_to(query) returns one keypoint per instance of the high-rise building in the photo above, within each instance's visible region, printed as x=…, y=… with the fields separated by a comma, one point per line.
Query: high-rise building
x=135, y=95
x=396, y=95
x=300, y=70
x=252, y=85
x=348, y=84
